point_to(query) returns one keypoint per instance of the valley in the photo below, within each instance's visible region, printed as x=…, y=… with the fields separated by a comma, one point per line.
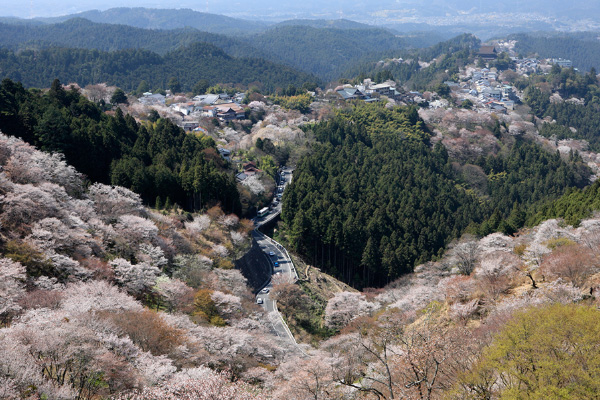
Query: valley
x=211, y=207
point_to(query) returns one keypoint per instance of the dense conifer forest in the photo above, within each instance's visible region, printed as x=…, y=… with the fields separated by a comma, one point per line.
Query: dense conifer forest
x=374, y=199
x=127, y=68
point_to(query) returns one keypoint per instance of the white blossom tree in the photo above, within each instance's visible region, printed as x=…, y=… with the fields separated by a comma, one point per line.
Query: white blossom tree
x=136, y=278
x=12, y=287
x=343, y=307
x=112, y=202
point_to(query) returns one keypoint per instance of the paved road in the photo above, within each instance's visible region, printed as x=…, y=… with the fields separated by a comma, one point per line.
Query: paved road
x=281, y=264
x=284, y=180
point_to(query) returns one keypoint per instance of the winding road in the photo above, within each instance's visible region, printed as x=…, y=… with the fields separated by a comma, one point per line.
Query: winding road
x=281, y=264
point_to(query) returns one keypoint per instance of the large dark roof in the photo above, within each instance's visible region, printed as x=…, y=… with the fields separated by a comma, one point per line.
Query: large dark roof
x=487, y=50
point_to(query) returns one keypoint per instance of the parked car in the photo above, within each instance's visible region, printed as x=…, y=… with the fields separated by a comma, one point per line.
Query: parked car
x=259, y=301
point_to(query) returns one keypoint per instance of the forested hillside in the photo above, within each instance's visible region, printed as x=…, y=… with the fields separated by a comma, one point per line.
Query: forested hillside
x=374, y=199
x=84, y=34
x=445, y=58
x=152, y=18
x=581, y=115
x=101, y=296
x=325, y=52
x=156, y=160
x=316, y=47
x=127, y=68
x=581, y=48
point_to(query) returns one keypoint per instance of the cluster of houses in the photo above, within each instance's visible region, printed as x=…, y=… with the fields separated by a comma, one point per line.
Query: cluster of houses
x=496, y=96
x=370, y=92
x=222, y=106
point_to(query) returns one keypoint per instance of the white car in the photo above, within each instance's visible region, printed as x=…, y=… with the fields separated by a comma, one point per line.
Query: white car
x=259, y=301
x=265, y=291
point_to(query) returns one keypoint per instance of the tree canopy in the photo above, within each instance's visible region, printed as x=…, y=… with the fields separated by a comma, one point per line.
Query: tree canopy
x=153, y=159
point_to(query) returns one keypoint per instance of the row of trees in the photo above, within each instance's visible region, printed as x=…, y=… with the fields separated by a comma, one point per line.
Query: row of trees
x=153, y=159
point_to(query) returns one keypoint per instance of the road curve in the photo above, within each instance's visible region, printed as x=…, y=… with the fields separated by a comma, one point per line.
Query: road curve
x=281, y=264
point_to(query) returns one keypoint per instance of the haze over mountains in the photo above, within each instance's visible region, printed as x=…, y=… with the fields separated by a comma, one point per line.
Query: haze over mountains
x=381, y=12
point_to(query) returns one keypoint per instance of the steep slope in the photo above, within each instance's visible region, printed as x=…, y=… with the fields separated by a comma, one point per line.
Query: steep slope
x=101, y=296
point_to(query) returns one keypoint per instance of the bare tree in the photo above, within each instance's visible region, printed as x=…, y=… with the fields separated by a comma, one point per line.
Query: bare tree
x=466, y=254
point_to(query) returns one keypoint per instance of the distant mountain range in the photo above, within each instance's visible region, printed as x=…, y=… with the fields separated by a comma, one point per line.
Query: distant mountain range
x=380, y=12
x=167, y=19
x=318, y=47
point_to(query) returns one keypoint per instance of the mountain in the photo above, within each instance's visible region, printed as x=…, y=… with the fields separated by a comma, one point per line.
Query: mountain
x=127, y=68
x=325, y=51
x=82, y=33
x=166, y=19
x=437, y=12
x=581, y=48
x=321, y=51
x=326, y=23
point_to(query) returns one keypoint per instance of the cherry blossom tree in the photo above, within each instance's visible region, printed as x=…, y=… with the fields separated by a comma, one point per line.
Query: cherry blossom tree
x=343, y=307
x=172, y=293
x=12, y=288
x=198, y=225
x=152, y=255
x=92, y=296
x=24, y=164
x=112, y=202
x=137, y=279
x=228, y=306
x=466, y=254
x=199, y=384
x=534, y=254
x=575, y=263
x=26, y=204
x=254, y=184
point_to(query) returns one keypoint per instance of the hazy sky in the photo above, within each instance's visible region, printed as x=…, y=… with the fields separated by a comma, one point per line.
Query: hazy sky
x=353, y=9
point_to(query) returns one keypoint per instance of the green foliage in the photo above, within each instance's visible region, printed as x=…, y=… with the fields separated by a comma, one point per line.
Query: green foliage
x=142, y=88
x=317, y=50
x=573, y=206
x=173, y=85
x=267, y=164
x=526, y=177
x=128, y=68
x=32, y=259
x=449, y=57
x=374, y=199
x=118, y=97
x=153, y=159
x=200, y=87
x=299, y=102
x=585, y=118
x=84, y=34
x=468, y=104
x=543, y=353
x=503, y=62
x=581, y=48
